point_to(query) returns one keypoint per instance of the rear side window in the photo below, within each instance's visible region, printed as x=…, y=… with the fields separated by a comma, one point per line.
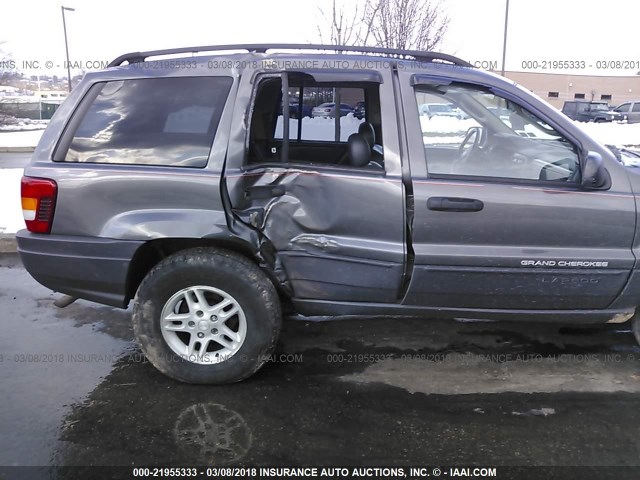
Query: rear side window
x=153, y=121
x=318, y=113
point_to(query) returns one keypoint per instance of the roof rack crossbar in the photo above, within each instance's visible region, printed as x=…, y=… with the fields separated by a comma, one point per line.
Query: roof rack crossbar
x=137, y=57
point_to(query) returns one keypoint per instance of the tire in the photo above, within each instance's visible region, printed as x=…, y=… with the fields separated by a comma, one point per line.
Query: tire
x=190, y=283
x=635, y=327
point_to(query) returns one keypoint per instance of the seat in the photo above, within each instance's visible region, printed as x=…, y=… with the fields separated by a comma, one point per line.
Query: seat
x=360, y=153
x=368, y=132
x=358, y=150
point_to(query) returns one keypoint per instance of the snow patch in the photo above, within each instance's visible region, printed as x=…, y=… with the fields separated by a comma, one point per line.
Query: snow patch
x=11, y=209
x=11, y=139
x=536, y=412
x=456, y=375
x=452, y=130
x=319, y=128
x=618, y=134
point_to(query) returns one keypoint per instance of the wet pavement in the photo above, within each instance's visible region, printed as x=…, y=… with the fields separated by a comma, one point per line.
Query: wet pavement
x=77, y=391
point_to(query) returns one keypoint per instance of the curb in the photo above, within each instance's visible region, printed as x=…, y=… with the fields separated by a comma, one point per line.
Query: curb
x=8, y=243
x=17, y=149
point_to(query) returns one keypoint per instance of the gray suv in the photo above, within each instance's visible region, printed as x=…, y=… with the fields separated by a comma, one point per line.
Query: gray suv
x=585, y=111
x=180, y=185
x=630, y=110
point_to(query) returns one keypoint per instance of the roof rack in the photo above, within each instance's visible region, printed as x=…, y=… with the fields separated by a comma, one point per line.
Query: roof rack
x=137, y=57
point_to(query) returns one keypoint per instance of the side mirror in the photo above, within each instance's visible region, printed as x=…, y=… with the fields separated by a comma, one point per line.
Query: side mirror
x=594, y=175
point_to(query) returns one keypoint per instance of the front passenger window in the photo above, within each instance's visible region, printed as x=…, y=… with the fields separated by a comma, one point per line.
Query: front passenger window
x=469, y=131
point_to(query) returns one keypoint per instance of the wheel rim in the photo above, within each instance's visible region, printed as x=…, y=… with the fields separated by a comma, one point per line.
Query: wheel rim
x=203, y=325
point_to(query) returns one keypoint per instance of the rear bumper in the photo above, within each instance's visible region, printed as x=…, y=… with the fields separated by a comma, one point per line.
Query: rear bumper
x=86, y=267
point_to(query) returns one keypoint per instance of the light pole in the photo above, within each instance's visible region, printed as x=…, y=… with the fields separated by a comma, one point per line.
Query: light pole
x=504, y=44
x=66, y=43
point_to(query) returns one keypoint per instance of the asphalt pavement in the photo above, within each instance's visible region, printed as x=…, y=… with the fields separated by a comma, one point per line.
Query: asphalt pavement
x=375, y=391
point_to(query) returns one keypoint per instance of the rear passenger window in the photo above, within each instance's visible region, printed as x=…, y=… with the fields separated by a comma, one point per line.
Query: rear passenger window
x=337, y=123
x=154, y=121
x=315, y=109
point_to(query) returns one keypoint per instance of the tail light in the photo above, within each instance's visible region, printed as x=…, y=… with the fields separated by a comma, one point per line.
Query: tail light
x=38, y=203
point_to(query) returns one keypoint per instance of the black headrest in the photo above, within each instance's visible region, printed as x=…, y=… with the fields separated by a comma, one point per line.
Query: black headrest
x=359, y=150
x=366, y=130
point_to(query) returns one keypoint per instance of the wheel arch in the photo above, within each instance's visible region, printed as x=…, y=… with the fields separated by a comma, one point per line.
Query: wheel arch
x=150, y=253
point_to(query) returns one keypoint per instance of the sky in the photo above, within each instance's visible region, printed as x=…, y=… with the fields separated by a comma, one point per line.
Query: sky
x=542, y=31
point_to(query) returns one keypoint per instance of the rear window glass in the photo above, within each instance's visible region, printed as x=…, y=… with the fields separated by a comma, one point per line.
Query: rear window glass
x=153, y=121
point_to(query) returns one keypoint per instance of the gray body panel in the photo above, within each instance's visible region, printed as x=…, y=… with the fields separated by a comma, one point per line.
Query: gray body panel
x=91, y=268
x=473, y=259
x=339, y=232
x=312, y=229
x=134, y=202
x=339, y=237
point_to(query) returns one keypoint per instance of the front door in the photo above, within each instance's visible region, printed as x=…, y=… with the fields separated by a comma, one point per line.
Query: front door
x=500, y=220
x=330, y=210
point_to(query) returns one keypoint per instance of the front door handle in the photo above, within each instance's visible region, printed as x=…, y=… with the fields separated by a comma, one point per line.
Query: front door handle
x=453, y=204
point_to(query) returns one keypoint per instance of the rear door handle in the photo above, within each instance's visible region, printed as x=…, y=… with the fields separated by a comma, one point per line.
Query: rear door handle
x=453, y=204
x=264, y=192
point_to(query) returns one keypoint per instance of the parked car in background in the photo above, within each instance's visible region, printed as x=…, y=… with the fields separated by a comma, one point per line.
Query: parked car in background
x=501, y=113
x=327, y=110
x=359, y=110
x=439, y=110
x=586, y=111
x=630, y=110
x=294, y=110
x=461, y=114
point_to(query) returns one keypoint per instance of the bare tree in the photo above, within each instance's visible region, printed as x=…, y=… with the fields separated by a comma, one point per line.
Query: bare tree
x=401, y=24
x=10, y=73
x=407, y=24
x=343, y=26
x=7, y=66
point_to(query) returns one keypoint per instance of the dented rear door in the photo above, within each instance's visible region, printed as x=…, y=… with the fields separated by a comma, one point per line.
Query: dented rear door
x=338, y=233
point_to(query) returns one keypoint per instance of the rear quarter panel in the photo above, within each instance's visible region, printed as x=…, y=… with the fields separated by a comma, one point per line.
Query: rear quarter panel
x=134, y=202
